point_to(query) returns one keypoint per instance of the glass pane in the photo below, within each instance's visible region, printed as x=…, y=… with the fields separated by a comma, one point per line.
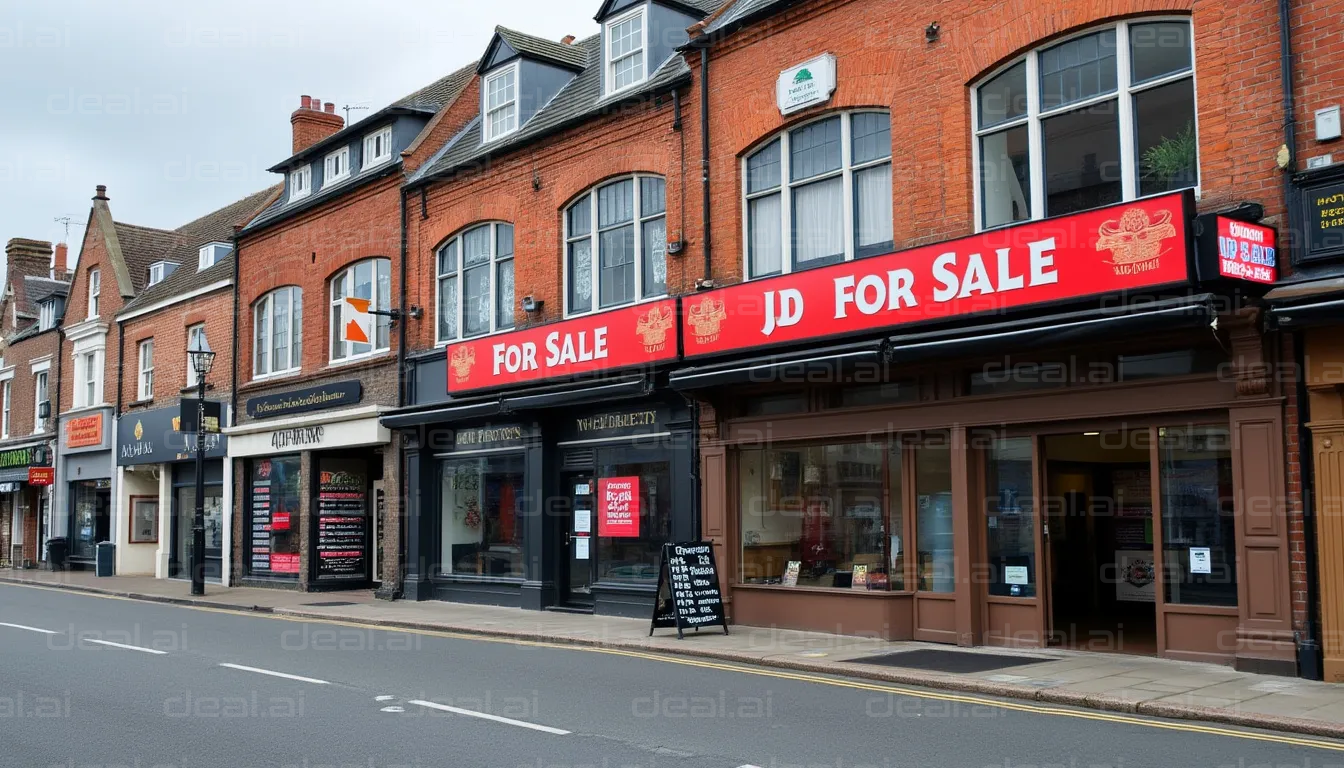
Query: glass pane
x=1078, y=69
x=853, y=396
x=655, y=257
x=296, y=334
x=280, y=337
x=652, y=196
x=1164, y=125
x=1005, y=177
x=896, y=517
x=872, y=210
x=476, y=300
x=814, y=149
x=481, y=503
x=766, y=245
x=933, y=520
x=1010, y=517
x=580, y=217
x=1082, y=159
x=338, y=347
x=384, y=300
x=813, y=517
x=448, y=308
x=628, y=71
x=273, y=517
x=1003, y=98
x=503, y=240
x=616, y=258
x=871, y=132
x=259, y=346
x=818, y=223
x=1159, y=48
x=363, y=289
x=615, y=204
x=581, y=276
x=635, y=559
x=626, y=36
x=476, y=246
x=1199, y=549
x=775, y=404
x=504, y=282
x=763, y=168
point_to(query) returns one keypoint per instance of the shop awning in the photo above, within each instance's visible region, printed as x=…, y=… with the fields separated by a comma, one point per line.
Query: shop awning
x=763, y=370
x=1309, y=314
x=598, y=390
x=454, y=412
x=1054, y=330
x=1305, y=303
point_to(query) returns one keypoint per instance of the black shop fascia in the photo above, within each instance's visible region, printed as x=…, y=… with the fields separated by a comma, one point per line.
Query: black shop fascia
x=552, y=464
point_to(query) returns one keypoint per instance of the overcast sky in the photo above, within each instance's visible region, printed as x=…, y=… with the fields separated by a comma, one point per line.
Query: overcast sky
x=179, y=106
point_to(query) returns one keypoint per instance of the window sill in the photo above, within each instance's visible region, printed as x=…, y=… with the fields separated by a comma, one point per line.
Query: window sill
x=273, y=376
x=192, y=389
x=140, y=403
x=863, y=593
x=603, y=310
x=349, y=362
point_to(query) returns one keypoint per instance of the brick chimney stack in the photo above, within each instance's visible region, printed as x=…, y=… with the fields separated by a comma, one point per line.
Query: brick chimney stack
x=28, y=257
x=313, y=123
x=60, y=262
x=567, y=40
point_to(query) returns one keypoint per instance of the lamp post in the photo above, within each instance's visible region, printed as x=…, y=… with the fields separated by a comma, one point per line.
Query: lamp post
x=201, y=361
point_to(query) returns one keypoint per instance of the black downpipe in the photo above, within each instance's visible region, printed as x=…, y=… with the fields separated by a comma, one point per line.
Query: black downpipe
x=704, y=163
x=1289, y=119
x=1309, y=661
x=233, y=381
x=121, y=364
x=404, y=314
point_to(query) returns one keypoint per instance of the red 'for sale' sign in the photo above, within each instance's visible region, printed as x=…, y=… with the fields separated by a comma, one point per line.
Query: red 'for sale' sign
x=618, y=507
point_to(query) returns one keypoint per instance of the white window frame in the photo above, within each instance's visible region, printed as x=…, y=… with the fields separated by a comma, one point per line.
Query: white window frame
x=46, y=315
x=595, y=258
x=300, y=182
x=41, y=379
x=609, y=64
x=371, y=140
x=1123, y=94
x=156, y=272
x=459, y=284
x=95, y=288
x=6, y=413
x=145, y=391
x=266, y=304
x=335, y=306
x=787, y=185
x=192, y=332
x=508, y=70
x=340, y=157
x=89, y=378
x=207, y=257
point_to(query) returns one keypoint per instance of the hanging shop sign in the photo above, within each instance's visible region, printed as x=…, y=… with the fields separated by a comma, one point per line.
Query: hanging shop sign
x=618, y=507
x=805, y=85
x=156, y=437
x=18, y=457
x=621, y=338
x=41, y=475
x=332, y=395
x=1141, y=245
x=1322, y=213
x=206, y=413
x=84, y=431
x=1237, y=250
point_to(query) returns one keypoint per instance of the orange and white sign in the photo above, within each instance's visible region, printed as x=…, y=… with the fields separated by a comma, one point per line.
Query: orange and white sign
x=356, y=322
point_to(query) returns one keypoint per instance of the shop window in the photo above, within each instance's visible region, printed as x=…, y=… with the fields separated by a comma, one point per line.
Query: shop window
x=481, y=503
x=475, y=282
x=616, y=245
x=886, y=393
x=91, y=503
x=1181, y=362
x=819, y=194
x=278, y=333
x=273, y=515
x=1002, y=379
x=1101, y=117
x=775, y=404
x=634, y=559
x=933, y=517
x=1198, y=519
x=1010, y=517
x=370, y=279
x=815, y=516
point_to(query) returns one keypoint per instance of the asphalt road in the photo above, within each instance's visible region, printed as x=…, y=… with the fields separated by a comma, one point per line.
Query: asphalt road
x=89, y=681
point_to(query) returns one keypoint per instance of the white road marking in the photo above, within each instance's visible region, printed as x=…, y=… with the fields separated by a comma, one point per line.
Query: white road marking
x=384, y=698
x=393, y=709
x=487, y=716
x=300, y=678
x=748, y=766
x=126, y=647
x=28, y=629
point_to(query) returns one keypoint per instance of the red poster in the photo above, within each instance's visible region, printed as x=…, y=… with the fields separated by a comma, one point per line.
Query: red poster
x=618, y=507
x=621, y=338
x=1247, y=251
x=1136, y=245
x=280, y=521
x=284, y=563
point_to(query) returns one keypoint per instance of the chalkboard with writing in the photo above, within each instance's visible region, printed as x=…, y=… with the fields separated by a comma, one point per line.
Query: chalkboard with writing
x=688, y=589
x=1324, y=214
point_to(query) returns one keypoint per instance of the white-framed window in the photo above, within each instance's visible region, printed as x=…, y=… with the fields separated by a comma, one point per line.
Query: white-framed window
x=146, y=390
x=625, y=40
x=475, y=282
x=336, y=167
x=89, y=378
x=1101, y=117
x=819, y=194
x=300, y=182
x=277, y=332
x=369, y=279
x=4, y=417
x=40, y=379
x=210, y=254
x=159, y=270
x=95, y=288
x=500, y=97
x=377, y=147
x=195, y=333
x=46, y=315
x=616, y=244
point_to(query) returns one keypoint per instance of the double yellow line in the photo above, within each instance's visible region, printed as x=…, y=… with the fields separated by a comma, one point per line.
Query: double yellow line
x=858, y=685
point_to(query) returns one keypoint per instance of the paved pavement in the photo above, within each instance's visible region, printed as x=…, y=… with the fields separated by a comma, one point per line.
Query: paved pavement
x=1112, y=682
x=90, y=681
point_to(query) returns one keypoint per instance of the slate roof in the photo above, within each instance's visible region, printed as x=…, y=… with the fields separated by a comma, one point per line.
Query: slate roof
x=22, y=275
x=743, y=9
x=704, y=6
x=39, y=288
x=564, y=54
x=140, y=247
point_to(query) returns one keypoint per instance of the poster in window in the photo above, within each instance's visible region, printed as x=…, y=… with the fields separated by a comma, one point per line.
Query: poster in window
x=618, y=507
x=342, y=517
x=144, y=520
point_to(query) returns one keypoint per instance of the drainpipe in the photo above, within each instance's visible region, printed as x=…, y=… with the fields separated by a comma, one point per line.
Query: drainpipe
x=1309, y=662
x=121, y=365
x=404, y=315
x=233, y=385
x=708, y=280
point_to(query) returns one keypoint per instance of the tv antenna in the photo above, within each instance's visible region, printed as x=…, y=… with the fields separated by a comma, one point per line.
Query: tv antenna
x=348, y=108
x=66, y=221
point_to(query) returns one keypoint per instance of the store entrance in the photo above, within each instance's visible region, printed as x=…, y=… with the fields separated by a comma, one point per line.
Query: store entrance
x=1099, y=537
x=576, y=521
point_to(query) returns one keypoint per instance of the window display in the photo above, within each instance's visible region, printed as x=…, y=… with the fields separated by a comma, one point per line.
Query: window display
x=628, y=549
x=91, y=507
x=1010, y=518
x=1198, y=520
x=273, y=511
x=933, y=520
x=482, y=516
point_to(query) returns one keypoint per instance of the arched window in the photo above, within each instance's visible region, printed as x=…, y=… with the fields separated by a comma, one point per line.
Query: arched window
x=369, y=279
x=1103, y=116
x=819, y=194
x=475, y=284
x=623, y=222
x=277, y=332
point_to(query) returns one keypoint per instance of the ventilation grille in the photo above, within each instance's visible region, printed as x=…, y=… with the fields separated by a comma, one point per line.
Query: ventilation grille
x=579, y=458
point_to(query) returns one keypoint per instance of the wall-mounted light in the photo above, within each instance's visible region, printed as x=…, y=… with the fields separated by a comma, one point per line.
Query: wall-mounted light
x=536, y=181
x=531, y=305
x=931, y=32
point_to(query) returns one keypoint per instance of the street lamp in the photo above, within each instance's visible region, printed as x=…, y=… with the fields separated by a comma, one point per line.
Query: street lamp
x=201, y=361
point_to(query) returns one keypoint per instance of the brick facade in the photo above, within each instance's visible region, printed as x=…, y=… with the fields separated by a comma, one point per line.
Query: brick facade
x=168, y=328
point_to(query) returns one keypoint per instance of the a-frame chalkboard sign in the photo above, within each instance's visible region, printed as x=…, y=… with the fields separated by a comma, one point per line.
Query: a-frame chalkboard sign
x=688, y=589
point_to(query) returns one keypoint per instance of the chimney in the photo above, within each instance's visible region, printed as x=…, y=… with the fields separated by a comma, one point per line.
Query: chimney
x=311, y=124
x=329, y=108
x=100, y=192
x=60, y=261
x=28, y=257
x=567, y=40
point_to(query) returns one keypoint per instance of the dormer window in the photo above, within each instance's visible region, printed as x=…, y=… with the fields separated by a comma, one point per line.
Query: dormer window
x=625, y=40
x=378, y=147
x=46, y=315
x=337, y=167
x=160, y=270
x=501, y=103
x=210, y=255
x=300, y=182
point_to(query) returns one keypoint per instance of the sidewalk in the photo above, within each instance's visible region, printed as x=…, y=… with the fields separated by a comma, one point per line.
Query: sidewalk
x=1135, y=684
